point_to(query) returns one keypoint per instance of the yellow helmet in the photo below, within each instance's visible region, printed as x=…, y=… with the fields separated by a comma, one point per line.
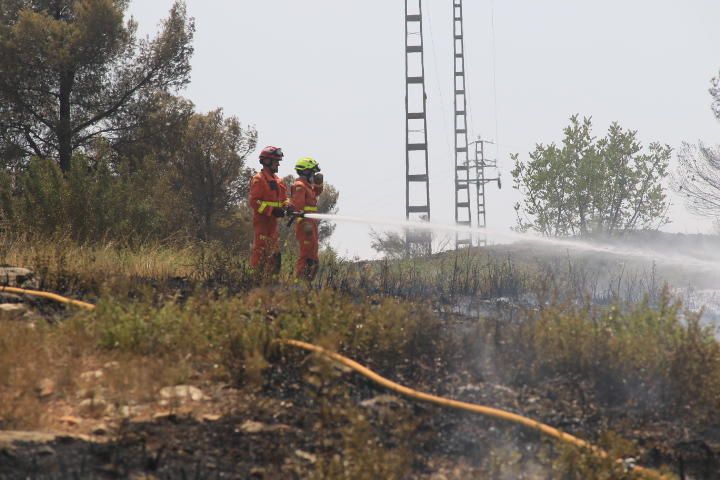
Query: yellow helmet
x=307, y=163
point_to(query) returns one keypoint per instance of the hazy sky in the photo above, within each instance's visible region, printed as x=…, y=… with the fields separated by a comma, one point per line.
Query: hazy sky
x=325, y=78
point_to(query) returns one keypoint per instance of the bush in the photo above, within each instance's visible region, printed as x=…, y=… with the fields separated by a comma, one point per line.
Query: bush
x=90, y=203
x=235, y=331
x=638, y=354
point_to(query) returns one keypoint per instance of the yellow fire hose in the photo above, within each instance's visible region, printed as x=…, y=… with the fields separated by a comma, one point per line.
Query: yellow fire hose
x=50, y=296
x=402, y=390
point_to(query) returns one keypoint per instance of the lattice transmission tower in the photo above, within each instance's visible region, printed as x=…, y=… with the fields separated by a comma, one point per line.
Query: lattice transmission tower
x=480, y=165
x=463, y=215
x=417, y=176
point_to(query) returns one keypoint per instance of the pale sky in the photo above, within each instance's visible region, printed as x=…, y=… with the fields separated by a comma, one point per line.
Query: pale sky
x=325, y=78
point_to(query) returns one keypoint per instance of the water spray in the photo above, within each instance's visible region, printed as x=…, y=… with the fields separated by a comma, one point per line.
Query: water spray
x=504, y=237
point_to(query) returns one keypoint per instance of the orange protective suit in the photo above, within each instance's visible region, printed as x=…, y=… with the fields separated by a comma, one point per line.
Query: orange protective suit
x=304, y=199
x=267, y=192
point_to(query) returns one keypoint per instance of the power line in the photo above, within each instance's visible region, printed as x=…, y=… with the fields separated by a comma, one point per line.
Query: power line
x=494, y=76
x=451, y=166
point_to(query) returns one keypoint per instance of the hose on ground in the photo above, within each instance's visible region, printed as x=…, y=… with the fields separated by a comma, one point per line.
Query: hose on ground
x=50, y=296
x=403, y=390
x=468, y=407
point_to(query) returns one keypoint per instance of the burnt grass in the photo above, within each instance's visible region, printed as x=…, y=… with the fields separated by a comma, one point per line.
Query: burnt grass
x=299, y=414
x=305, y=418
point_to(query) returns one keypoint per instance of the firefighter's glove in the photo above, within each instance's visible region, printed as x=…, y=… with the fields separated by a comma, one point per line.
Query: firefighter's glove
x=278, y=212
x=318, y=179
x=293, y=216
x=307, y=228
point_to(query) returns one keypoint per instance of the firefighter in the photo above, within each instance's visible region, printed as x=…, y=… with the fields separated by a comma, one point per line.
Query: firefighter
x=305, y=192
x=268, y=200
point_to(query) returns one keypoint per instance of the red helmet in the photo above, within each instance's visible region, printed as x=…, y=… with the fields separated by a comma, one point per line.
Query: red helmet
x=271, y=153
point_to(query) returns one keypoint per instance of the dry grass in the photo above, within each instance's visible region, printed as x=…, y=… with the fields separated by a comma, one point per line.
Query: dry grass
x=225, y=333
x=224, y=338
x=65, y=265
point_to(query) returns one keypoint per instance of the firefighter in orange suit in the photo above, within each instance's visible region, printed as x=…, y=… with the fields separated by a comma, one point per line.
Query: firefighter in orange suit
x=268, y=200
x=304, y=199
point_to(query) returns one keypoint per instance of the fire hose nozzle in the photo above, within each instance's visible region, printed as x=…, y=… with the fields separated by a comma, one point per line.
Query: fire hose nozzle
x=294, y=216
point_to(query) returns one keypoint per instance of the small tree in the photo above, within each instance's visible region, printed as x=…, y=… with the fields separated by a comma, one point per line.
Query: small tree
x=211, y=166
x=391, y=244
x=71, y=70
x=698, y=174
x=327, y=203
x=588, y=186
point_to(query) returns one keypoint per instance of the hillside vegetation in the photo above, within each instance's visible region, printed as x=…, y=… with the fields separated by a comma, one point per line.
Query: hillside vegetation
x=473, y=325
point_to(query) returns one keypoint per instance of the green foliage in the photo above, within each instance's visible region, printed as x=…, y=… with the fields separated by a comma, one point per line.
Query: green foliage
x=232, y=331
x=72, y=71
x=210, y=165
x=89, y=203
x=579, y=464
x=588, y=186
x=78, y=86
x=198, y=194
x=641, y=354
x=327, y=203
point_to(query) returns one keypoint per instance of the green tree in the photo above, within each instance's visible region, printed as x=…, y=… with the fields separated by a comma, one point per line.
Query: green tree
x=156, y=131
x=211, y=166
x=73, y=70
x=327, y=203
x=589, y=186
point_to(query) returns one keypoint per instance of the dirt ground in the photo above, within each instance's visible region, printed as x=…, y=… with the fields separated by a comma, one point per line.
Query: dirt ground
x=307, y=419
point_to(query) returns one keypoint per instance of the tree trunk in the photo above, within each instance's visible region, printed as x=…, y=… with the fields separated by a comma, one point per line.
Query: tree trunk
x=64, y=126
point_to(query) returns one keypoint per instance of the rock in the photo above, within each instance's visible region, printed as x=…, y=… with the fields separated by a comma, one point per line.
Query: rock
x=210, y=417
x=182, y=392
x=257, y=472
x=91, y=375
x=306, y=456
x=8, y=438
x=252, y=427
x=164, y=415
x=382, y=401
x=45, y=388
x=17, y=277
x=280, y=427
x=45, y=451
x=100, y=429
x=95, y=404
x=128, y=411
x=70, y=420
x=12, y=311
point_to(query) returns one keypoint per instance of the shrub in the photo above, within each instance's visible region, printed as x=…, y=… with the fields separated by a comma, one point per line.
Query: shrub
x=235, y=331
x=638, y=354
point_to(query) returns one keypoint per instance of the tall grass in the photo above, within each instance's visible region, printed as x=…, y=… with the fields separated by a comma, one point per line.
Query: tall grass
x=483, y=274
x=644, y=355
